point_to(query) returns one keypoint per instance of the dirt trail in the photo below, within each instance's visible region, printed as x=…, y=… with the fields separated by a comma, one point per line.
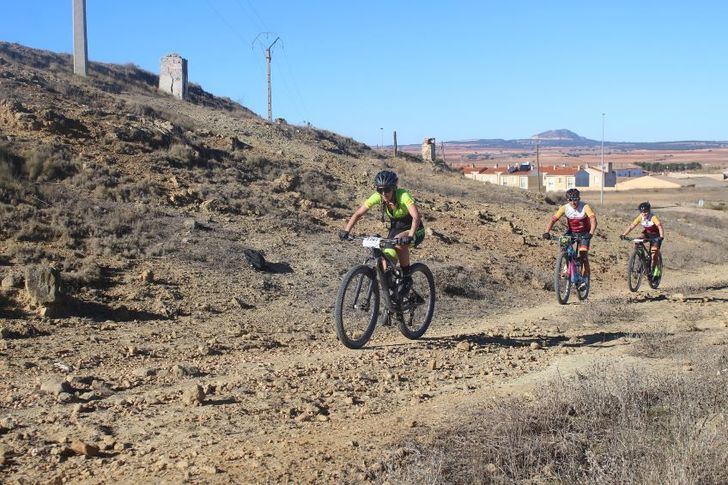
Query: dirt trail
x=328, y=413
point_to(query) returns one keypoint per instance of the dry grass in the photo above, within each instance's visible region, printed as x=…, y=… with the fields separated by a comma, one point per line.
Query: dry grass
x=609, y=426
x=608, y=311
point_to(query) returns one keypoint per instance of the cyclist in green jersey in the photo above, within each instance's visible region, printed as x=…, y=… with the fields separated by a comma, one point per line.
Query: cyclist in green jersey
x=405, y=221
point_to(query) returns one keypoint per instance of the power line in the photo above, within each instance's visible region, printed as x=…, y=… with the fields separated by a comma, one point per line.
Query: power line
x=298, y=98
x=225, y=21
x=262, y=24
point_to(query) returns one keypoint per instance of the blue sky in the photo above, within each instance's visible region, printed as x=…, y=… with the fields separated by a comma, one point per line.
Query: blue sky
x=451, y=70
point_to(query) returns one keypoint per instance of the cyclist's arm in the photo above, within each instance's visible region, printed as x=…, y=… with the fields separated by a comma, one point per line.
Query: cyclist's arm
x=659, y=226
x=356, y=216
x=555, y=218
x=634, y=224
x=592, y=219
x=415, y=213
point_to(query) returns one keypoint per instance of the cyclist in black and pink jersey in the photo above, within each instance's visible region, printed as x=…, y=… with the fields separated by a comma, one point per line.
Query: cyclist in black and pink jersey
x=651, y=229
x=582, y=222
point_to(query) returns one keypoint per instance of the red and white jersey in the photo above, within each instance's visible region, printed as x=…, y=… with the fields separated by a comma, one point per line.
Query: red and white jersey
x=650, y=223
x=577, y=217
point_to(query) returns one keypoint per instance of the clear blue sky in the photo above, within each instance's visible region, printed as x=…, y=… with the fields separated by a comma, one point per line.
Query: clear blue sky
x=450, y=70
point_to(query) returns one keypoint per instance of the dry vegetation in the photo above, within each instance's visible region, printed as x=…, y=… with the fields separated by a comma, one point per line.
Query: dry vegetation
x=608, y=425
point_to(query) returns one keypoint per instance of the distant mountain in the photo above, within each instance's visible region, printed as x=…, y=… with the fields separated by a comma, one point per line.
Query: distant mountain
x=563, y=135
x=567, y=138
x=556, y=138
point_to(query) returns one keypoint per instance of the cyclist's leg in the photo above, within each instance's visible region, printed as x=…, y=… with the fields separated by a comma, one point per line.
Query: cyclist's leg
x=392, y=254
x=584, y=256
x=402, y=250
x=655, y=251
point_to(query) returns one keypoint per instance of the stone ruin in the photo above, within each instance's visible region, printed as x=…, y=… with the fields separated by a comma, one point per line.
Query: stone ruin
x=428, y=150
x=173, y=76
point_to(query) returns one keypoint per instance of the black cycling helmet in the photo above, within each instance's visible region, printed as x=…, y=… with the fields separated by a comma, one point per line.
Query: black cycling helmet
x=572, y=194
x=645, y=207
x=386, y=179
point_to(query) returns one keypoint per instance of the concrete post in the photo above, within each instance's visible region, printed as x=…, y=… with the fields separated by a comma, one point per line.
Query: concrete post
x=173, y=76
x=428, y=150
x=80, y=47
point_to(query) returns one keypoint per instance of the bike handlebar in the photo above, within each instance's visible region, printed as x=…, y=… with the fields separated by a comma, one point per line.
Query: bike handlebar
x=382, y=239
x=573, y=237
x=638, y=240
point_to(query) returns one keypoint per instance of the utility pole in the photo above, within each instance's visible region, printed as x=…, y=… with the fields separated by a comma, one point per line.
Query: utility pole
x=601, y=197
x=395, y=143
x=381, y=131
x=538, y=163
x=80, y=46
x=267, y=65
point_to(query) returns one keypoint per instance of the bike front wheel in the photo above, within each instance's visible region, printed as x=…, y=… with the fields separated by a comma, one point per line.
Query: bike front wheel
x=419, y=304
x=562, y=279
x=582, y=291
x=635, y=270
x=655, y=280
x=357, y=307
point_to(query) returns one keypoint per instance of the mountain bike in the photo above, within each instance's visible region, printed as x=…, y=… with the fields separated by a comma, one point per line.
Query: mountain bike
x=640, y=264
x=567, y=270
x=357, y=302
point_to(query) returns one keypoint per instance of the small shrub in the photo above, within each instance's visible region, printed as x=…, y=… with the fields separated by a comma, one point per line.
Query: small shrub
x=182, y=153
x=35, y=231
x=10, y=164
x=48, y=163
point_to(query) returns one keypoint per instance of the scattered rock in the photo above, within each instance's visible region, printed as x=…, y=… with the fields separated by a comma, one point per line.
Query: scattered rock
x=55, y=387
x=7, y=424
x=43, y=285
x=193, y=396
x=677, y=297
x=535, y=346
x=237, y=301
x=432, y=364
x=65, y=398
x=184, y=371
x=147, y=276
x=9, y=281
x=255, y=259
x=81, y=448
x=144, y=372
x=463, y=346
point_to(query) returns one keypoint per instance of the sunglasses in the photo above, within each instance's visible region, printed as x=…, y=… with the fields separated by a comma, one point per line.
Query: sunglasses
x=574, y=199
x=384, y=190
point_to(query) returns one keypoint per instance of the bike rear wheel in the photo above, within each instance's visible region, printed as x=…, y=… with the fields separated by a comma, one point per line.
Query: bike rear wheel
x=562, y=280
x=419, y=305
x=655, y=280
x=357, y=307
x=635, y=270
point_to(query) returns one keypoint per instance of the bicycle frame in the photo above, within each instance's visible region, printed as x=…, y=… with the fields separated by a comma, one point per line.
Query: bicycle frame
x=644, y=253
x=567, y=244
x=379, y=259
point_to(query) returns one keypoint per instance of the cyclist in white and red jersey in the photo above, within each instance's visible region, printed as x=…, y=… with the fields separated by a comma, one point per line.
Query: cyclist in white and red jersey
x=582, y=223
x=651, y=229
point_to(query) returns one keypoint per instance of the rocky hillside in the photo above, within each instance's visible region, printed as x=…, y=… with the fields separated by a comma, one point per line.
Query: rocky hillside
x=104, y=178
